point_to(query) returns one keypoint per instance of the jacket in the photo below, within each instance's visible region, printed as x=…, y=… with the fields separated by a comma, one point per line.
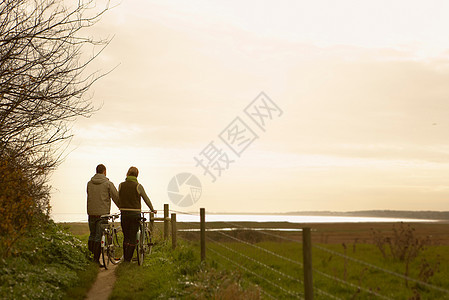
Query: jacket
x=100, y=191
x=131, y=192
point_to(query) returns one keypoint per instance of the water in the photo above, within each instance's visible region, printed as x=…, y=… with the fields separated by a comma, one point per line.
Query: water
x=241, y=228
x=76, y=217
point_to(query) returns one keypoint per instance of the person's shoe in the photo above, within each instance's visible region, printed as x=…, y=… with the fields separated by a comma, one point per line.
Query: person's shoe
x=98, y=263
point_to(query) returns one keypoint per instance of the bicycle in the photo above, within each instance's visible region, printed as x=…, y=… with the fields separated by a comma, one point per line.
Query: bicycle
x=144, y=239
x=111, y=242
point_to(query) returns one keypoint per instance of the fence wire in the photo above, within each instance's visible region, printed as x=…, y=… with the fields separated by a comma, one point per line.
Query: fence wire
x=437, y=288
x=257, y=262
x=329, y=296
x=328, y=276
x=319, y=291
x=350, y=284
x=258, y=286
x=262, y=249
x=185, y=213
x=264, y=232
x=255, y=274
x=383, y=270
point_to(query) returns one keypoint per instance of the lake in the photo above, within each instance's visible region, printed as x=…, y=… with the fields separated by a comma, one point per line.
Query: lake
x=76, y=217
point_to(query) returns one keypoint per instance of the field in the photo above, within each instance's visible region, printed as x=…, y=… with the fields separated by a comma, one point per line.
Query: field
x=347, y=262
x=327, y=233
x=333, y=274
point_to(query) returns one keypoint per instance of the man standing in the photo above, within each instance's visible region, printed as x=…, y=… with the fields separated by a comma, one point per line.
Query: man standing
x=100, y=191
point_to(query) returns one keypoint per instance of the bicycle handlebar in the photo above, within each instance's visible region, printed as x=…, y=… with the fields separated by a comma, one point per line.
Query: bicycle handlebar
x=110, y=216
x=115, y=216
x=149, y=211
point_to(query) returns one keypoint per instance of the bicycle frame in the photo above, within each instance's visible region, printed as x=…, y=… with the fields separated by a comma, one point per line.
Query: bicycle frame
x=107, y=241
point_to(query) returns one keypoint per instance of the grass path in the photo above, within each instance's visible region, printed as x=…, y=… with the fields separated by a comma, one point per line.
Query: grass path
x=103, y=285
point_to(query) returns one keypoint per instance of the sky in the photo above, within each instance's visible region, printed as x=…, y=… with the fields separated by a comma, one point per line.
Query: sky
x=360, y=90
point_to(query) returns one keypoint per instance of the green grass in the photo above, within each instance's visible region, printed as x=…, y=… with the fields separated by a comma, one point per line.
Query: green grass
x=77, y=229
x=335, y=266
x=177, y=274
x=161, y=275
x=86, y=278
x=47, y=263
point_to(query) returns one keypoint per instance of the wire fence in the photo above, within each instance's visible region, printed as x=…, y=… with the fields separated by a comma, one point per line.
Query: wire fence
x=274, y=263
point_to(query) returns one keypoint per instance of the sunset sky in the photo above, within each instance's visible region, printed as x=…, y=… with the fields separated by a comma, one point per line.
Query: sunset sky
x=363, y=87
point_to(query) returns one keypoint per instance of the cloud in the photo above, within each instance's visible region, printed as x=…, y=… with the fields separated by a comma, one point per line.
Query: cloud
x=365, y=114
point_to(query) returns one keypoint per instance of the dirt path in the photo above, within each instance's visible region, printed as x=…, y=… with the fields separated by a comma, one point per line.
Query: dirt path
x=103, y=285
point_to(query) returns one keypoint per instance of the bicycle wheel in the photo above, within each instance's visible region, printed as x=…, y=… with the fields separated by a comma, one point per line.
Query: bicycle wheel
x=140, y=247
x=104, y=249
x=116, y=247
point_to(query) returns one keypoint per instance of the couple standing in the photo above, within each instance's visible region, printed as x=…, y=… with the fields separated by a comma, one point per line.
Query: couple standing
x=100, y=191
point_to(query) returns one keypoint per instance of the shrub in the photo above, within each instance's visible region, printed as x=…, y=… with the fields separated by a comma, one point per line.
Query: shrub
x=16, y=205
x=403, y=245
x=46, y=262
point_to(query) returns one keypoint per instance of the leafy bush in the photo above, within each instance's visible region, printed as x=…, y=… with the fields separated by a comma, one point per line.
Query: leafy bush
x=43, y=265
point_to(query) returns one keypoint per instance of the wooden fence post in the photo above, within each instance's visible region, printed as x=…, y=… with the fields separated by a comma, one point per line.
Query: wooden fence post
x=173, y=230
x=166, y=221
x=307, y=260
x=203, y=233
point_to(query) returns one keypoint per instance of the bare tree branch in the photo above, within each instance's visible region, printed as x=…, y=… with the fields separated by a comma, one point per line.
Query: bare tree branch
x=43, y=80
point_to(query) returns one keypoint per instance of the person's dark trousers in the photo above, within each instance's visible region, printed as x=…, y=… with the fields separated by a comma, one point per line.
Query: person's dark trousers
x=97, y=251
x=128, y=251
x=130, y=225
x=94, y=242
x=90, y=246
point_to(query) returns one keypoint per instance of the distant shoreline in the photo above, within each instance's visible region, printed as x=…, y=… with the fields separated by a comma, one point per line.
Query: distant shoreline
x=407, y=214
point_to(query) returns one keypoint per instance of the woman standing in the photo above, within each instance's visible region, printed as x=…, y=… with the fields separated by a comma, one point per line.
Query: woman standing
x=130, y=192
